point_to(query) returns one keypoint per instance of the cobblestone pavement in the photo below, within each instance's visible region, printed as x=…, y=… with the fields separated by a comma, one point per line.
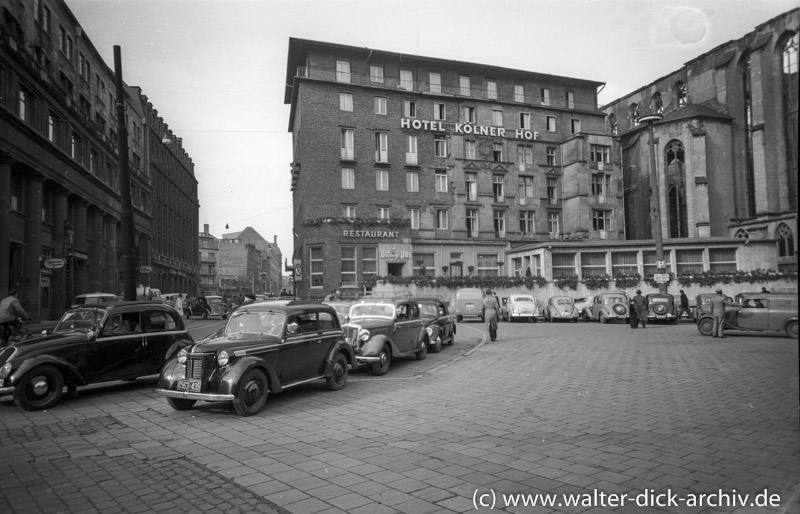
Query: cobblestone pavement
x=574, y=409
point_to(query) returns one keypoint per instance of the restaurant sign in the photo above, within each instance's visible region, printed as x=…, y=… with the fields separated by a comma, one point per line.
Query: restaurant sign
x=371, y=233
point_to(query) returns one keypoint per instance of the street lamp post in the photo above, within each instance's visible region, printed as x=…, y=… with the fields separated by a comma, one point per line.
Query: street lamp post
x=655, y=200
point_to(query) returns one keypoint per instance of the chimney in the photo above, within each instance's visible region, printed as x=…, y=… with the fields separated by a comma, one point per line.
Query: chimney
x=205, y=228
x=275, y=238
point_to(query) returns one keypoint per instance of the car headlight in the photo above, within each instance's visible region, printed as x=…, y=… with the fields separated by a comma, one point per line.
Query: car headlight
x=429, y=330
x=182, y=356
x=5, y=370
x=364, y=335
x=222, y=358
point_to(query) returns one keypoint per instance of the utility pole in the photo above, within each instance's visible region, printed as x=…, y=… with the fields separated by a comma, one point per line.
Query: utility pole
x=655, y=201
x=127, y=244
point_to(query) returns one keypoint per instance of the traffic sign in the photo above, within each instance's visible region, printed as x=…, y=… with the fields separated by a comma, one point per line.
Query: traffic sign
x=298, y=269
x=145, y=269
x=661, y=278
x=56, y=263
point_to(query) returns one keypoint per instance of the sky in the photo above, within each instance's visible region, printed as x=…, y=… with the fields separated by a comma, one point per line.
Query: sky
x=215, y=69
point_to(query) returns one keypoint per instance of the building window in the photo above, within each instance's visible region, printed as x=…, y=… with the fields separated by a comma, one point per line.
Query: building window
x=600, y=153
x=348, y=145
x=785, y=241
x=348, y=266
x=789, y=55
x=552, y=224
x=469, y=115
x=51, y=128
x=369, y=263
x=497, y=117
x=471, y=183
x=624, y=263
x=349, y=211
x=545, y=96
x=382, y=147
x=382, y=180
x=601, y=220
x=348, y=178
x=470, y=150
x=441, y=181
x=593, y=264
x=411, y=149
x=412, y=181
x=424, y=264
x=526, y=225
x=497, y=152
x=676, y=190
x=563, y=265
x=472, y=222
x=491, y=90
x=552, y=189
x=689, y=261
x=380, y=105
x=525, y=120
x=570, y=100
x=575, y=126
x=376, y=74
x=441, y=218
x=601, y=184
x=487, y=265
x=315, y=266
x=22, y=105
x=343, y=71
x=439, y=146
x=413, y=216
x=346, y=102
x=551, y=155
x=722, y=259
x=406, y=80
x=439, y=112
x=524, y=157
x=519, y=93
x=550, y=123
x=383, y=213
x=435, y=82
x=525, y=190
x=463, y=86
x=498, y=183
x=612, y=123
x=409, y=108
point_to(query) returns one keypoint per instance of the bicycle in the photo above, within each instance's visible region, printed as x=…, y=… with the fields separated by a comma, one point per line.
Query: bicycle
x=12, y=332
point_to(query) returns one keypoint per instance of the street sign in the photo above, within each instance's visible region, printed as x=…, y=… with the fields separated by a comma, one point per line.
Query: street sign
x=661, y=264
x=298, y=269
x=54, y=263
x=661, y=278
x=145, y=269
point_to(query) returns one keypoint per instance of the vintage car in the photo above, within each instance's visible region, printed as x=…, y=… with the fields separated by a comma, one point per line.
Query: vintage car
x=469, y=304
x=439, y=324
x=265, y=348
x=342, y=308
x=205, y=306
x=93, y=343
x=560, y=308
x=521, y=307
x=380, y=330
x=582, y=303
x=661, y=307
x=757, y=312
x=608, y=306
x=89, y=298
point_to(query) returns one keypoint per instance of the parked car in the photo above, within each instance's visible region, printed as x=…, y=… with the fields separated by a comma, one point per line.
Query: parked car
x=265, y=348
x=758, y=312
x=92, y=343
x=90, y=298
x=581, y=304
x=380, y=330
x=439, y=324
x=521, y=307
x=469, y=304
x=342, y=308
x=560, y=308
x=661, y=307
x=608, y=306
x=205, y=306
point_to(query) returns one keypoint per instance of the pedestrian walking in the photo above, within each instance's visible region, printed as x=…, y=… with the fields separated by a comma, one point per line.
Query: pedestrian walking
x=633, y=318
x=640, y=305
x=179, y=304
x=684, y=307
x=491, y=310
x=718, y=303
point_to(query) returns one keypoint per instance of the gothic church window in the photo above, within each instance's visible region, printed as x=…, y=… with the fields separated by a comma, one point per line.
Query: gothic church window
x=676, y=190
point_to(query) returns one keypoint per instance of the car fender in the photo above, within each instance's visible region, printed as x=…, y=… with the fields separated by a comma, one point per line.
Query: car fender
x=67, y=369
x=788, y=320
x=229, y=379
x=372, y=348
x=338, y=348
x=175, y=347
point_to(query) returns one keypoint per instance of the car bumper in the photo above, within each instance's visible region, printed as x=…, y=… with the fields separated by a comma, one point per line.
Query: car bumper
x=6, y=390
x=186, y=395
x=365, y=359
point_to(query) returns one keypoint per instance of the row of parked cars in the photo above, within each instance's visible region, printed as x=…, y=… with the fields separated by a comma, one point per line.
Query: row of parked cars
x=264, y=348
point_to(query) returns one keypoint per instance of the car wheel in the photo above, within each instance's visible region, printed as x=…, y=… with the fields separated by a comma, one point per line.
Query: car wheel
x=252, y=393
x=40, y=388
x=705, y=326
x=338, y=377
x=603, y=318
x=437, y=347
x=382, y=366
x=423, y=351
x=181, y=403
x=791, y=329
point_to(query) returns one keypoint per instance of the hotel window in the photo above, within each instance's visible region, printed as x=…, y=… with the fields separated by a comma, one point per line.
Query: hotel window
x=409, y=108
x=575, y=126
x=406, y=80
x=469, y=115
x=601, y=220
x=439, y=112
x=412, y=181
x=413, y=216
x=441, y=181
x=435, y=82
x=721, y=259
x=563, y=265
x=22, y=104
x=551, y=123
x=381, y=180
x=469, y=150
x=498, y=188
x=624, y=263
x=689, y=261
x=545, y=96
x=552, y=224
x=348, y=211
x=601, y=184
x=463, y=85
x=51, y=128
x=383, y=213
x=348, y=266
x=487, y=265
x=315, y=267
x=491, y=90
x=376, y=74
x=497, y=152
x=500, y=223
x=525, y=190
x=570, y=100
x=369, y=262
x=472, y=222
x=497, y=117
x=471, y=184
x=348, y=178
x=600, y=153
x=519, y=93
x=411, y=149
x=649, y=262
x=348, y=145
x=593, y=264
x=382, y=147
x=343, y=71
x=525, y=120
x=380, y=105
x=441, y=218
x=346, y=102
x=524, y=157
x=439, y=146
x=526, y=225
x=551, y=155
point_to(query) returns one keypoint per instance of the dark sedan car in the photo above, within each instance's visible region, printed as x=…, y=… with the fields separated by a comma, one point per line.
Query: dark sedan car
x=758, y=312
x=661, y=307
x=93, y=343
x=440, y=324
x=265, y=348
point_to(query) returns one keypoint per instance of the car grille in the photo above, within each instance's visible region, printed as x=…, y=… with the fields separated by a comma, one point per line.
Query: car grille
x=199, y=365
x=351, y=335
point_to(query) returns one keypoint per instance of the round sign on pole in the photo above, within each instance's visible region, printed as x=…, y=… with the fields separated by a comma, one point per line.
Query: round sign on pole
x=298, y=270
x=145, y=269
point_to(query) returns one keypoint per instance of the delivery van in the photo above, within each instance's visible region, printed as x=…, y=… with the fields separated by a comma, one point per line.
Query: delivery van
x=469, y=304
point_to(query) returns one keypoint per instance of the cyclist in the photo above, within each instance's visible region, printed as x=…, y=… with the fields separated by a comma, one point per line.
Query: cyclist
x=11, y=312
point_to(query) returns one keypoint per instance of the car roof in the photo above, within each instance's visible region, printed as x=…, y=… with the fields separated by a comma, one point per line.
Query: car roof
x=288, y=307
x=387, y=301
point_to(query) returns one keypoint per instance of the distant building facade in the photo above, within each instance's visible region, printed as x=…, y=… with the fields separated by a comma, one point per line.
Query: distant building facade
x=248, y=263
x=208, y=260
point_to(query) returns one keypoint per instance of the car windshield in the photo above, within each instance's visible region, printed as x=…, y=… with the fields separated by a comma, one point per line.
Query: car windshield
x=564, y=301
x=428, y=309
x=365, y=310
x=262, y=323
x=659, y=299
x=616, y=299
x=522, y=299
x=80, y=319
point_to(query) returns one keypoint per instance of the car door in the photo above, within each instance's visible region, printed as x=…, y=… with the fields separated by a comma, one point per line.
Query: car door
x=120, y=349
x=406, y=327
x=752, y=314
x=301, y=352
x=160, y=331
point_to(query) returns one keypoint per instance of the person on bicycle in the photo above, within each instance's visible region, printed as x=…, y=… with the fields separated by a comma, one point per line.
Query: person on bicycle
x=10, y=313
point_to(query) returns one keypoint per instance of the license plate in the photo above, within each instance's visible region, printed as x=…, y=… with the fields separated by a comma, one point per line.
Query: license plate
x=192, y=386
x=526, y=312
x=470, y=305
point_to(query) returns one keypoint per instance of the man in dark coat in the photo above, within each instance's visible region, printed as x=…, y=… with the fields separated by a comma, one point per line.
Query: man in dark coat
x=640, y=302
x=684, y=307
